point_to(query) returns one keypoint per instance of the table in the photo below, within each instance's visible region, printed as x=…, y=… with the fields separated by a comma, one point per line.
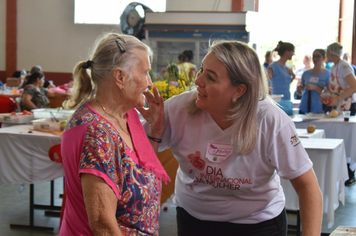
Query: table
x=24, y=156
x=11, y=95
x=318, y=133
x=334, y=128
x=329, y=163
x=344, y=231
x=24, y=160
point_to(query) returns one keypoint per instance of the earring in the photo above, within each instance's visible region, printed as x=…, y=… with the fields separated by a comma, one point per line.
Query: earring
x=234, y=100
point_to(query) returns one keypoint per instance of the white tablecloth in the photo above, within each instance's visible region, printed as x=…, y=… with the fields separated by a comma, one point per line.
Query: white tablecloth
x=318, y=133
x=329, y=163
x=335, y=128
x=24, y=156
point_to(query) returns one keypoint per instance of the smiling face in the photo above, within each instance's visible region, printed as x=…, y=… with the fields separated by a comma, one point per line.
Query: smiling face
x=215, y=91
x=140, y=79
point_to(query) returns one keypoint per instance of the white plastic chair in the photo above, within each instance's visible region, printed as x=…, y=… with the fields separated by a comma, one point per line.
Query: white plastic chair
x=18, y=102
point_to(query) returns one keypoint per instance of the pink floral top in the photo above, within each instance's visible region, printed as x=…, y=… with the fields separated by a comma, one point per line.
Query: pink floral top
x=104, y=154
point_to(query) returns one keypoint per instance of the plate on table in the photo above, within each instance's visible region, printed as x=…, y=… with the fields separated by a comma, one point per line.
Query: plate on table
x=316, y=115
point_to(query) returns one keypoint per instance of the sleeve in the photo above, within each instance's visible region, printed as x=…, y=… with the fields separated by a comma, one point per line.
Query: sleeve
x=101, y=156
x=287, y=154
x=346, y=70
x=29, y=89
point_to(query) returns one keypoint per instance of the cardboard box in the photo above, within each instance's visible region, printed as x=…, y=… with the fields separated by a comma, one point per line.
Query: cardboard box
x=170, y=164
x=13, y=82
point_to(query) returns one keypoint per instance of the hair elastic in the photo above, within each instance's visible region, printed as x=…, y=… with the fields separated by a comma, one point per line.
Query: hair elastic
x=88, y=64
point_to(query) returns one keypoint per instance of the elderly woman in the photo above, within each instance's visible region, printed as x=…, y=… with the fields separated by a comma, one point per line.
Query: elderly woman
x=34, y=95
x=279, y=74
x=312, y=83
x=113, y=176
x=233, y=145
x=342, y=87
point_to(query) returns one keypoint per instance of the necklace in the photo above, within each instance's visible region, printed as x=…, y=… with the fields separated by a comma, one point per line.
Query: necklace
x=113, y=117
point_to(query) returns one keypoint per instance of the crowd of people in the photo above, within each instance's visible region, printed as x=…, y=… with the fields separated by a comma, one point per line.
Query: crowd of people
x=35, y=89
x=332, y=74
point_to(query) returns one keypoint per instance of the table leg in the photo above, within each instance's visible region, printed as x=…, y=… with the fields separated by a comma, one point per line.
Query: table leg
x=31, y=225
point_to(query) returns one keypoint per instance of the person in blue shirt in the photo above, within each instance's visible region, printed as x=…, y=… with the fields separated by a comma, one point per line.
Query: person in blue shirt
x=280, y=76
x=312, y=83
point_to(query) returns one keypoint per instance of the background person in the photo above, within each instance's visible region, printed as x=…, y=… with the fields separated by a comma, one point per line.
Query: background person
x=113, y=176
x=268, y=59
x=46, y=84
x=232, y=144
x=186, y=66
x=342, y=87
x=34, y=95
x=312, y=84
x=347, y=57
x=280, y=76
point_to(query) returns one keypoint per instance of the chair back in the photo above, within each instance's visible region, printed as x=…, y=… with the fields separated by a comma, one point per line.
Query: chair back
x=18, y=102
x=7, y=104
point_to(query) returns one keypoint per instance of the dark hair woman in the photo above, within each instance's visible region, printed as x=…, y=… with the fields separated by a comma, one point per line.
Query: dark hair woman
x=279, y=74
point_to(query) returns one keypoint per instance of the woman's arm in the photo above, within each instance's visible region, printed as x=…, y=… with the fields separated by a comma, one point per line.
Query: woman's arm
x=100, y=203
x=350, y=79
x=55, y=94
x=310, y=202
x=269, y=73
x=27, y=103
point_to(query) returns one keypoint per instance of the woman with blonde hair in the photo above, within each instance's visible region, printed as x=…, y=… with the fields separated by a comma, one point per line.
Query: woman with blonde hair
x=233, y=145
x=113, y=176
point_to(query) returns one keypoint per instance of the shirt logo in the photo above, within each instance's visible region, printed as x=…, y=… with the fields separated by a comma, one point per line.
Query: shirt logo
x=218, y=152
x=294, y=140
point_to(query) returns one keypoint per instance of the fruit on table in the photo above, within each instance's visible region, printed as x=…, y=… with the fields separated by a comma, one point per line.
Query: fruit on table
x=333, y=113
x=311, y=128
x=63, y=124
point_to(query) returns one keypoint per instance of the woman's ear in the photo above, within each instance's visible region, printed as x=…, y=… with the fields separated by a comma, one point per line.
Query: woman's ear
x=239, y=91
x=119, y=77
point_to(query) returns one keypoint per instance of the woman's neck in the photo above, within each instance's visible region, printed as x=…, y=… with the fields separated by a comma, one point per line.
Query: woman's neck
x=282, y=61
x=317, y=69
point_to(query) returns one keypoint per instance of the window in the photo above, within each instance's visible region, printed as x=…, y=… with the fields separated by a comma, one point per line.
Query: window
x=108, y=11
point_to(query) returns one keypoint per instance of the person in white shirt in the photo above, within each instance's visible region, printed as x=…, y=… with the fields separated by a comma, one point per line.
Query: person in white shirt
x=233, y=144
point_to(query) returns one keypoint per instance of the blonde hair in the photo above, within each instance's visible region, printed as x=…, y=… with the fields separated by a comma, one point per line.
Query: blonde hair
x=111, y=50
x=243, y=67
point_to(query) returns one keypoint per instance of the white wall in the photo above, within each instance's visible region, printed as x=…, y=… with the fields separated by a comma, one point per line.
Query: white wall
x=198, y=5
x=47, y=35
x=2, y=33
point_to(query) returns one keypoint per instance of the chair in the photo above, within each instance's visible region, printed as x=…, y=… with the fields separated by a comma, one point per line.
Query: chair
x=54, y=154
x=18, y=102
x=7, y=105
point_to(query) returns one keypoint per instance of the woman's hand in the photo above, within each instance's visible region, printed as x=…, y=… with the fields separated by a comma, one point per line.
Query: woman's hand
x=334, y=101
x=154, y=115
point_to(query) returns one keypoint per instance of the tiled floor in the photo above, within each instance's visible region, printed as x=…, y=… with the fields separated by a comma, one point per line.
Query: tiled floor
x=14, y=209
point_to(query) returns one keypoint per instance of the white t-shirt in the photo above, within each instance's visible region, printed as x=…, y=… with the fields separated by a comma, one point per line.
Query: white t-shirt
x=240, y=189
x=341, y=70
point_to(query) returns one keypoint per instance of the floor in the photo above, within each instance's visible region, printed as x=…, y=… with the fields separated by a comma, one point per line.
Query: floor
x=14, y=209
